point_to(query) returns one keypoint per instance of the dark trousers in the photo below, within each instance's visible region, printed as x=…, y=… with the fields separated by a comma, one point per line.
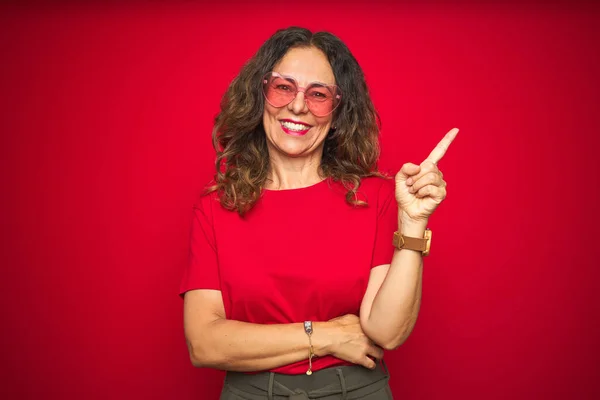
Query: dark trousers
x=347, y=383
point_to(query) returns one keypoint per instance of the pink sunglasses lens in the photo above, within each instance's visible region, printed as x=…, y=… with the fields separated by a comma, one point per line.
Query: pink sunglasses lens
x=321, y=100
x=279, y=91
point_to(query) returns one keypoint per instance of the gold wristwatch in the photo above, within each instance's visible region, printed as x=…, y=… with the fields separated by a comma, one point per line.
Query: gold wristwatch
x=404, y=242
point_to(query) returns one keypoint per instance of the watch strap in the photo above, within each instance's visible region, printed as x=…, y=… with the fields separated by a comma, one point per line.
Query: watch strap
x=411, y=243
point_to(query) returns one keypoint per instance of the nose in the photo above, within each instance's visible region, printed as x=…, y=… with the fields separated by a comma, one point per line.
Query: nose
x=298, y=105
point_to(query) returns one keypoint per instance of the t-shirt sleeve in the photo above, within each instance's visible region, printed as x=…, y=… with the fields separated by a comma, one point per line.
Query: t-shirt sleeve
x=387, y=224
x=202, y=269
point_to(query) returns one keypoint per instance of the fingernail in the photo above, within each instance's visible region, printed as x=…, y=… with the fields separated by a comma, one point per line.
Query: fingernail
x=409, y=181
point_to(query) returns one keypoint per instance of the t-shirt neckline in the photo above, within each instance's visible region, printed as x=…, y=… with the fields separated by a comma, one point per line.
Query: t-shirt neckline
x=296, y=190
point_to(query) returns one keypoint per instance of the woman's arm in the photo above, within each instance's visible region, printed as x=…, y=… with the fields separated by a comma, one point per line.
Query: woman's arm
x=391, y=303
x=390, y=307
x=216, y=342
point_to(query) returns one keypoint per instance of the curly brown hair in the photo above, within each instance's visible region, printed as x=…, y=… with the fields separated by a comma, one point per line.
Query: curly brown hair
x=350, y=152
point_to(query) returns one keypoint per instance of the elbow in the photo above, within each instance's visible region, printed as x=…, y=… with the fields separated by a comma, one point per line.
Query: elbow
x=198, y=362
x=197, y=356
x=394, y=343
x=386, y=338
x=400, y=336
x=202, y=357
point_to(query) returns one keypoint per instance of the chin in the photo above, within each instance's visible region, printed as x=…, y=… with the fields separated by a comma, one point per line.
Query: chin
x=292, y=152
x=291, y=148
x=294, y=146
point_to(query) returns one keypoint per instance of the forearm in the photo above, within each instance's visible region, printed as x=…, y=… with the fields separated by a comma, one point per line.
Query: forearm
x=240, y=346
x=395, y=307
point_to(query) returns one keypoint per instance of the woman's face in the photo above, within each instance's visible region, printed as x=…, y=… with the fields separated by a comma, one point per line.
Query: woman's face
x=292, y=130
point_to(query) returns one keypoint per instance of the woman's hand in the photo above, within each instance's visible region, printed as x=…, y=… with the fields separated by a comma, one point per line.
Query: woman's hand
x=349, y=342
x=421, y=188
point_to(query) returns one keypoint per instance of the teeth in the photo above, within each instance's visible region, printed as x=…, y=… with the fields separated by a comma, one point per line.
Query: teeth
x=294, y=127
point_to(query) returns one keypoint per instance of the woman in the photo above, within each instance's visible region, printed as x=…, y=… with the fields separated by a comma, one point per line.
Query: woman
x=293, y=276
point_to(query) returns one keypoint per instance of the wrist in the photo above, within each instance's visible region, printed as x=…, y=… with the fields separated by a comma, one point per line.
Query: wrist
x=411, y=227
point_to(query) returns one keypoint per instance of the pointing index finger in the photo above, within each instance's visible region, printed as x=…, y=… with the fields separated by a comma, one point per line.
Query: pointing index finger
x=438, y=152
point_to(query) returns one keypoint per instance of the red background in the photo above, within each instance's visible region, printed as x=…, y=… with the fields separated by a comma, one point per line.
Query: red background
x=105, y=121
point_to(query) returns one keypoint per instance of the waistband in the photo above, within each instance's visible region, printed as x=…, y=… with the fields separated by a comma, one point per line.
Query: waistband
x=349, y=381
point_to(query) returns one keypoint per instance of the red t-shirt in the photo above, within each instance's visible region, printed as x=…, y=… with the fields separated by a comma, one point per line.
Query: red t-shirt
x=297, y=255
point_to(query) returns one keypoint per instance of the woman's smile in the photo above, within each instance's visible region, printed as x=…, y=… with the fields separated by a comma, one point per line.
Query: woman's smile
x=294, y=128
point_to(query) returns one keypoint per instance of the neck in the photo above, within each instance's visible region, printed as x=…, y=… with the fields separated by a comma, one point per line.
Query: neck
x=293, y=173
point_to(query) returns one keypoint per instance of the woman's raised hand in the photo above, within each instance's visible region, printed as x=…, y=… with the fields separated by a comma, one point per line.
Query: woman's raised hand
x=421, y=188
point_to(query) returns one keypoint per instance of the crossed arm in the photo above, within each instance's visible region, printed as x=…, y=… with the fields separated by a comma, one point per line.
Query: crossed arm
x=388, y=313
x=217, y=342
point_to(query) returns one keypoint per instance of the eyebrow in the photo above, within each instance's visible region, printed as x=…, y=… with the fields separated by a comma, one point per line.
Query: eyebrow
x=289, y=77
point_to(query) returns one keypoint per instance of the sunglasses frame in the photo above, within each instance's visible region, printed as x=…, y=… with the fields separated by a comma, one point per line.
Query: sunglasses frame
x=336, y=89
